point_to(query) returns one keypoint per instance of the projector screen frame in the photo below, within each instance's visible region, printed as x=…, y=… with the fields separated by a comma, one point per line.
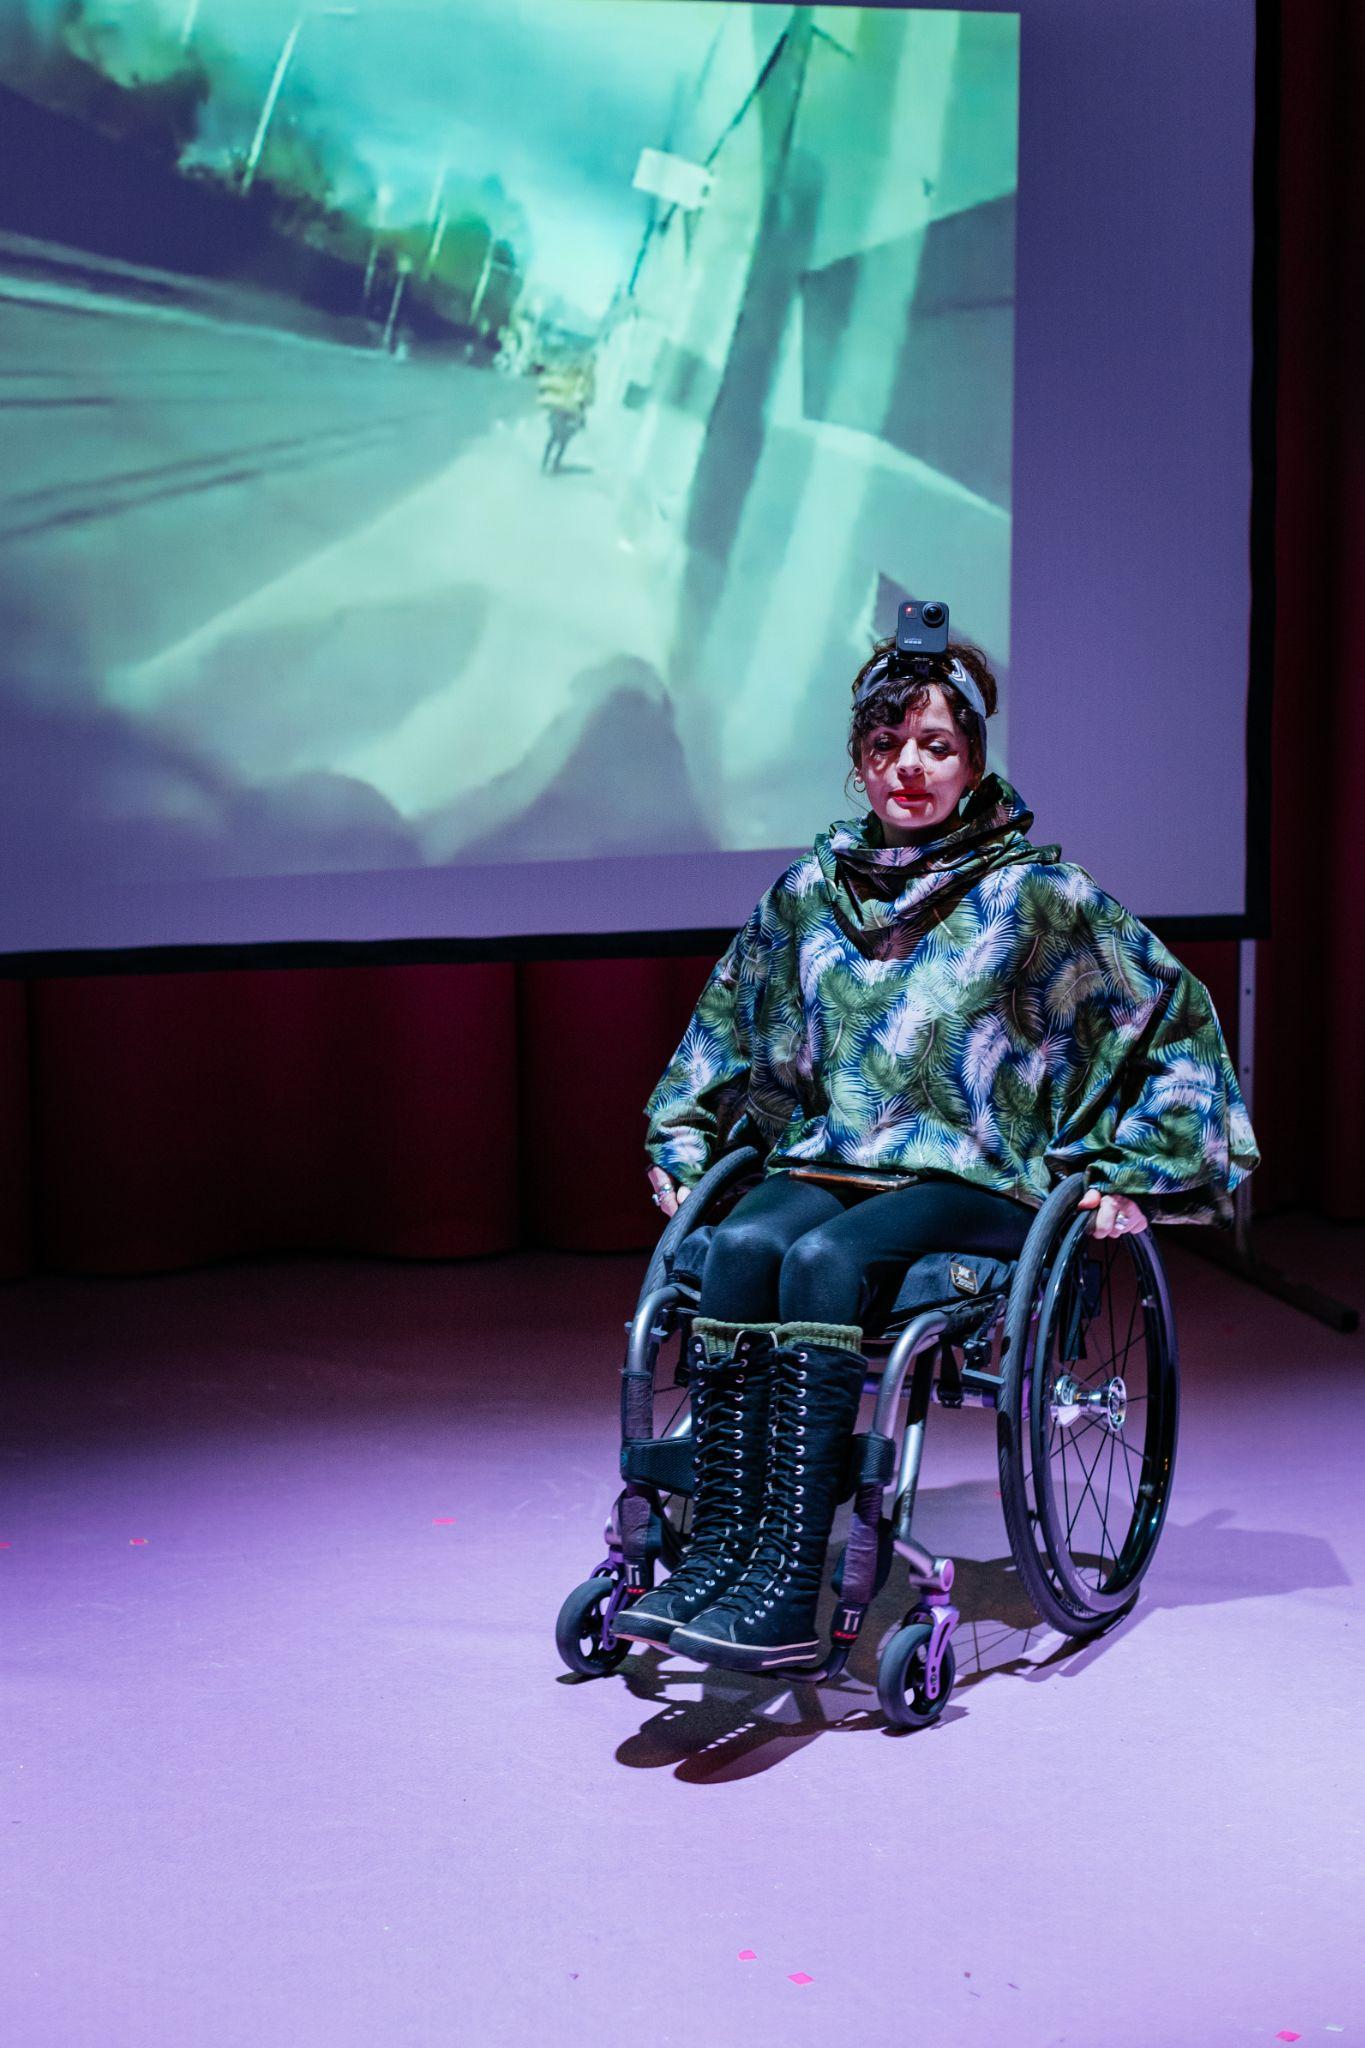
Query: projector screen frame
x=1252, y=923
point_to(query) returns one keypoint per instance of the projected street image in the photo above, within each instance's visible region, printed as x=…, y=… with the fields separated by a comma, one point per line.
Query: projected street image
x=483, y=430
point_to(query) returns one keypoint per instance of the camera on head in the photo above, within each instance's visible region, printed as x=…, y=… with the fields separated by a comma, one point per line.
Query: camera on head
x=921, y=629
x=919, y=653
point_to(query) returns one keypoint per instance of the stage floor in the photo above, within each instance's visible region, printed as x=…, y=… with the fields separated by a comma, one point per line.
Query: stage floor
x=290, y=1761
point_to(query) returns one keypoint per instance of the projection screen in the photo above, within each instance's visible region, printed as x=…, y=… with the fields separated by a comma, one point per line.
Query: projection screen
x=457, y=454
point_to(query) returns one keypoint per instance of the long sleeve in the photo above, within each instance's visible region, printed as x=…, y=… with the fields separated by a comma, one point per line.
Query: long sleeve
x=1153, y=1109
x=705, y=1085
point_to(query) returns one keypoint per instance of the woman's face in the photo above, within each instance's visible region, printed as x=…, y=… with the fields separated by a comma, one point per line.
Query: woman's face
x=916, y=771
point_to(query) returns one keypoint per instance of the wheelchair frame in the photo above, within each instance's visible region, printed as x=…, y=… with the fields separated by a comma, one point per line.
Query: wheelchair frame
x=991, y=1351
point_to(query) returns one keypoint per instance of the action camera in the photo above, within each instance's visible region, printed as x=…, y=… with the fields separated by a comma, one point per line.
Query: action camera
x=922, y=628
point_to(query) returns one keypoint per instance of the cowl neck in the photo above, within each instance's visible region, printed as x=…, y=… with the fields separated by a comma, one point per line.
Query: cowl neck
x=899, y=881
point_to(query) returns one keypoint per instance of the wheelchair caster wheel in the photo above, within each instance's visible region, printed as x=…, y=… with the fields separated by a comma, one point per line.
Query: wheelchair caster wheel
x=901, y=1674
x=578, y=1630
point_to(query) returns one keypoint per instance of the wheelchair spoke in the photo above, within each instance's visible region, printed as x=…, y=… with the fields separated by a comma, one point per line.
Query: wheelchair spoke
x=1108, y=1307
x=1112, y=1365
x=1092, y=1532
x=1086, y=1489
x=1089, y=1489
x=1085, y=1424
x=1108, y=1492
x=1132, y=1318
x=1130, y=1453
x=670, y=1420
x=1128, y=1471
x=1106, y=1534
x=1131, y=1449
x=1116, y=1442
x=1119, y=1359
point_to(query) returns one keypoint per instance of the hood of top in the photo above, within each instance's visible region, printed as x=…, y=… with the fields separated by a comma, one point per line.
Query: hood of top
x=897, y=882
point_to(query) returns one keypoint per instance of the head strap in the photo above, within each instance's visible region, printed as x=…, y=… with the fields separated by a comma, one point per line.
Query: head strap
x=895, y=667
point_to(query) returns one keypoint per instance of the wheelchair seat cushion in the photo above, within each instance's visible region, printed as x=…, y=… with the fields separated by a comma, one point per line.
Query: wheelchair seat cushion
x=930, y=1281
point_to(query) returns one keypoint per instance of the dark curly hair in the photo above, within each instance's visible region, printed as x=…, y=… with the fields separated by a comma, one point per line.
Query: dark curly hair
x=889, y=704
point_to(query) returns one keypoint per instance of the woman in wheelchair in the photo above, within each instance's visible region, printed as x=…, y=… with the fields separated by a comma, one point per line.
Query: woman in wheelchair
x=930, y=1022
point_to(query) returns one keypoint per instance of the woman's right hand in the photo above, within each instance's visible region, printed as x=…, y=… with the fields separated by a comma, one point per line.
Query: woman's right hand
x=668, y=1194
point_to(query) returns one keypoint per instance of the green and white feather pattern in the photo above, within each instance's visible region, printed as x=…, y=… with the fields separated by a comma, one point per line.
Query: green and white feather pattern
x=975, y=1007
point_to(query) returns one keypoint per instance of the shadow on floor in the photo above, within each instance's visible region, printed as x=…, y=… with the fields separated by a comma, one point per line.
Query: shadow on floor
x=740, y=1725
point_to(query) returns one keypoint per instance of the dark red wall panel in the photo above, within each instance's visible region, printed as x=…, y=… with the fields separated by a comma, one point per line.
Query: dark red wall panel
x=186, y=1117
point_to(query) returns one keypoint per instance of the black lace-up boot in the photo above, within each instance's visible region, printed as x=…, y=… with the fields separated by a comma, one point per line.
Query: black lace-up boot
x=766, y=1617
x=728, y=1375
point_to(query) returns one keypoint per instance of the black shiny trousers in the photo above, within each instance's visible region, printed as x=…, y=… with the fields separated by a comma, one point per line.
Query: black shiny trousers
x=797, y=1251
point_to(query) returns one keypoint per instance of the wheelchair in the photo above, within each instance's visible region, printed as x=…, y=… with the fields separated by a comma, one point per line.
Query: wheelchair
x=1072, y=1344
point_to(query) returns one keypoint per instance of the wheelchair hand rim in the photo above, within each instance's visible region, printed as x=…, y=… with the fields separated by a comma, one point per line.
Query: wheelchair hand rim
x=1071, y=1463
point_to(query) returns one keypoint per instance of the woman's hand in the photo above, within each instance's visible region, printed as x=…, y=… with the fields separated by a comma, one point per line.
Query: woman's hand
x=1119, y=1215
x=667, y=1193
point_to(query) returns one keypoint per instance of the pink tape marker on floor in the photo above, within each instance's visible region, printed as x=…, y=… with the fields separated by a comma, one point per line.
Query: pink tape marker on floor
x=439, y=1519
x=747, y=1955
x=1285, y=2035
x=143, y=1539
x=799, y=1977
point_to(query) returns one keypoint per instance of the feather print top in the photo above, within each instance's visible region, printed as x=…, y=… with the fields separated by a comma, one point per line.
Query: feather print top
x=973, y=1006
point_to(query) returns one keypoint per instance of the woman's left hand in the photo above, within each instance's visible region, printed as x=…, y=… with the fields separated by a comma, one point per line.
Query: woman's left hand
x=1119, y=1215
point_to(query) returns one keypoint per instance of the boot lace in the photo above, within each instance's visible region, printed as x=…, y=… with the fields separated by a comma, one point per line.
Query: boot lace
x=781, y=1524
x=720, y=1432
x=719, y=1394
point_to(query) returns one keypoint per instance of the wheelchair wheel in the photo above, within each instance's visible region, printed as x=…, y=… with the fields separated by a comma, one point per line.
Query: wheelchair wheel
x=900, y=1678
x=1087, y=1416
x=578, y=1630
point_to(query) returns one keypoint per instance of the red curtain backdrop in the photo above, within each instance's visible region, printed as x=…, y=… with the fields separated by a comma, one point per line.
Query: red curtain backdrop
x=15, y=1126
x=156, y=1121
x=1310, y=1023
x=181, y=1117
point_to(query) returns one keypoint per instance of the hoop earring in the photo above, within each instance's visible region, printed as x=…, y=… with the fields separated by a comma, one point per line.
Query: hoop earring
x=858, y=782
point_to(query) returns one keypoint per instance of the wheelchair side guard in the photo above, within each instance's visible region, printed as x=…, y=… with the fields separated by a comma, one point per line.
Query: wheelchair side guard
x=686, y=1263
x=664, y=1462
x=950, y=1279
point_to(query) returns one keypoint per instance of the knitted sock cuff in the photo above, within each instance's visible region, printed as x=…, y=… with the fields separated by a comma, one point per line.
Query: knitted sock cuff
x=830, y=1336
x=720, y=1338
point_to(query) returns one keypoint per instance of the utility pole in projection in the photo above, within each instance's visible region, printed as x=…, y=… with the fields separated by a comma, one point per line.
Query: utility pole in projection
x=402, y=268
x=436, y=219
x=282, y=63
x=482, y=286
x=381, y=214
